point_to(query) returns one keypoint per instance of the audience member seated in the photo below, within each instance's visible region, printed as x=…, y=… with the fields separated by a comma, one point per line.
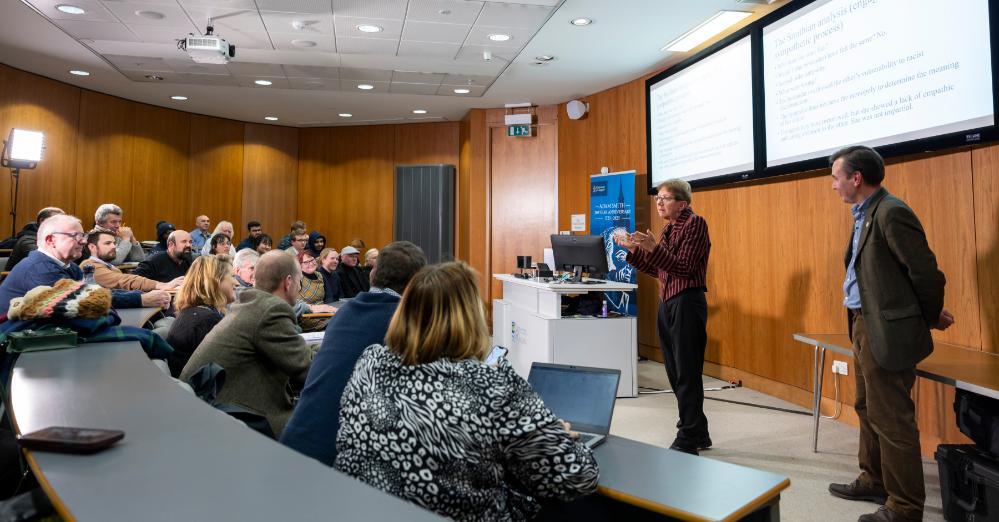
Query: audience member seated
x=61, y=240
x=370, y=258
x=353, y=280
x=263, y=244
x=244, y=265
x=328, y=259
x=26, y=242
x=200, y=235
x=163, y=229
x=100, y=243
x=169, y=265
x=313, y=292
x=127, y=248
x=225, y=228
x=316, y=244
x=220, y=245
x=255, y=230
x=360, y=323
x=297, y=227
x=425, y=419
x=358, y=243
x=201, y=304
x=258, y=344
x=298, y=244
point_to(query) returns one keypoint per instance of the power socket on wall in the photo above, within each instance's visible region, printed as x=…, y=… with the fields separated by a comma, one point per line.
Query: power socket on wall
x=840, y=367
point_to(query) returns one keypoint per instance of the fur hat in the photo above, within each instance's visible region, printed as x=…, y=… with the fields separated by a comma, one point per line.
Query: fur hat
x=66, y=299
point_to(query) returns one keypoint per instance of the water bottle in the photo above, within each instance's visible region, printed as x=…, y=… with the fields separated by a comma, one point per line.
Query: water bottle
x=88, y=275
x=603, y=309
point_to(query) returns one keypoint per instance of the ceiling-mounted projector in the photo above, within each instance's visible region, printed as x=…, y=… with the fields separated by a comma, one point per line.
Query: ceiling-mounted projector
x=208, y=48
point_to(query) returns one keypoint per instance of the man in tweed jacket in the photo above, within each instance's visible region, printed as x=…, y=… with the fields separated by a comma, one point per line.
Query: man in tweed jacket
x=258, y=343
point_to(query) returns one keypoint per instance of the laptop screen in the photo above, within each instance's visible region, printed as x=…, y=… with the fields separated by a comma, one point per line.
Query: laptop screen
x=582, y=396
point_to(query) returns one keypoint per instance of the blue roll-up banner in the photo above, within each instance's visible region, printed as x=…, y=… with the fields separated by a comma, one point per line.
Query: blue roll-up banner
x=612, y=210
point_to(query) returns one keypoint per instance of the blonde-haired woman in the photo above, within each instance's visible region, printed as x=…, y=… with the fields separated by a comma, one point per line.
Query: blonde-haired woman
x=456, y=428
x=225, y=228
x=208, y=289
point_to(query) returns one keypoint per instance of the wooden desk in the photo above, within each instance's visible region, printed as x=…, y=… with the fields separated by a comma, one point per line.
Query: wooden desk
x=137, y=317
x=971, y=370
x=683, y=486
x=180, y=458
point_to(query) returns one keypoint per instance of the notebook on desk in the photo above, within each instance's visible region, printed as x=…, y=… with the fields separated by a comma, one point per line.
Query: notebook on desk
x=584, y=397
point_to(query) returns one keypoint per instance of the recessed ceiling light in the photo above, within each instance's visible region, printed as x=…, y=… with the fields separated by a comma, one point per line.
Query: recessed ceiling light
x=151, y=15
x=154, y=77
x=368, y=28
x=499, y=37
x=444, y=12
x=345, y=115
x=462, y=91
x=303, y=43
x=271, y=118
x=78, y=72
x=581, y=22
x=365, y=87
x=419, y=111
x=263, y=82
x=70, y=9
x=178, y=98
x=703, y=32
x=544, y=58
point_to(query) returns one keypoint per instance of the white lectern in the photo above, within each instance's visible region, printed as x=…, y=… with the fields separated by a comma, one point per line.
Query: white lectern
x=528, y=321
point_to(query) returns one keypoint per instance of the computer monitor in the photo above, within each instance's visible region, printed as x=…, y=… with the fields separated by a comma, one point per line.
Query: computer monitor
x=580, y=254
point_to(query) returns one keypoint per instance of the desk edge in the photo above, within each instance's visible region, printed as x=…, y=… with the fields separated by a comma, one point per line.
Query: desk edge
x=649, y=505
x=57, y=502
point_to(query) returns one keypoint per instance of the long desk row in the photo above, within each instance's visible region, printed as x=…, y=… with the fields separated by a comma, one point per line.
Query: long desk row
x=183, y=460
x=970, y=370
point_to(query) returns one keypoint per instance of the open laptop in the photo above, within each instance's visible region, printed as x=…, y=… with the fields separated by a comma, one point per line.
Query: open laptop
x=584, y=397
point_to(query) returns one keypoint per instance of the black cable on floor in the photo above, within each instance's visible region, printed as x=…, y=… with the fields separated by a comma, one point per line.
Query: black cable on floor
x=775, y=408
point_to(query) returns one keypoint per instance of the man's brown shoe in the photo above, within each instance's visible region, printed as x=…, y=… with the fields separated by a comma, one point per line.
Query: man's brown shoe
x=857, y=491
x=884, y=514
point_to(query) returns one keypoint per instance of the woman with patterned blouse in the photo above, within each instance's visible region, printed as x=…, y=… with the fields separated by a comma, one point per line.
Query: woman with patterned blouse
x=424, y=418
x=313, y=291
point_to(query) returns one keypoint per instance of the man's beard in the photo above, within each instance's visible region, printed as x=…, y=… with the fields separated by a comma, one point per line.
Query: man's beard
x=109, y=257
x=185, y=255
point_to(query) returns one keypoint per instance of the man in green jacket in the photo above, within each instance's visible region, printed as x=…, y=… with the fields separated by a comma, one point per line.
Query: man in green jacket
x=258, y=343
x=894, y=294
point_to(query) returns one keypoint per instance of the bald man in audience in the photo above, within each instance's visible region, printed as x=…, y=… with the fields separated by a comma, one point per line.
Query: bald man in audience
x=258, y=343
x=102, y=251
x=61, y=240
x=200, y=235
x=171, y=264
x=127, y=248
x=26, y=238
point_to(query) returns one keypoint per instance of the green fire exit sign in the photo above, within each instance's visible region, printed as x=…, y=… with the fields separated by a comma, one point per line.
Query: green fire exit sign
x=518, y=130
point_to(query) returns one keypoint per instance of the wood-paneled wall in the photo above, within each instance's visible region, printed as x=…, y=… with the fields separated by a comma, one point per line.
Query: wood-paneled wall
x=162, y=164
x=776, y=261
x=347, y=175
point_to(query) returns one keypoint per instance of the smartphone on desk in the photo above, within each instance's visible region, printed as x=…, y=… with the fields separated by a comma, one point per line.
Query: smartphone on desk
x=64, y=439
x=494, y=356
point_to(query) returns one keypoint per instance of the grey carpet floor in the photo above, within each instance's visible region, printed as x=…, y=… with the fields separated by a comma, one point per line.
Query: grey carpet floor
x=765, y=439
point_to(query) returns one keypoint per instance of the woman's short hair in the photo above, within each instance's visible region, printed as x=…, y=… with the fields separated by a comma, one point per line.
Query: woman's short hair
x=203, y=283
x=679, y=188
x=217, y=240
x=262, y=238
x=440, y=317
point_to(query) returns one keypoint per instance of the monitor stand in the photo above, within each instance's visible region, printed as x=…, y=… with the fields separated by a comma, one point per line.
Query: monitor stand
x=577, y=274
